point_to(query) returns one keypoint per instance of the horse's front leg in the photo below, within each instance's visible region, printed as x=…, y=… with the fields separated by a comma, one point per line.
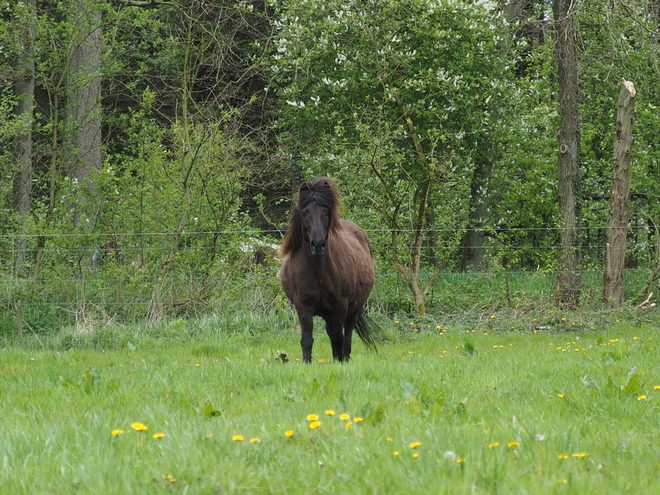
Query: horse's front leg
x=306, y=320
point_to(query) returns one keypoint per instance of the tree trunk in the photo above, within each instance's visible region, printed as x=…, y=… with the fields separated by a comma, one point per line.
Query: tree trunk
x=473, y=239
x=84, y=104
x=22, y=181
x=568, y=275
x=618, y=222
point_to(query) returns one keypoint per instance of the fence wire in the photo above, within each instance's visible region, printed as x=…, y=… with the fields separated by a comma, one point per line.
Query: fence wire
x=61, y=279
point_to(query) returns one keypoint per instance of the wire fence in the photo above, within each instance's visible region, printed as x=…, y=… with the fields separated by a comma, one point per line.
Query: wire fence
x=71, y=279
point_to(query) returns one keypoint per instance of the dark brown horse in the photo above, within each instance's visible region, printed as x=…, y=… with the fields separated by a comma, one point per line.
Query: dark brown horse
x=327, y=270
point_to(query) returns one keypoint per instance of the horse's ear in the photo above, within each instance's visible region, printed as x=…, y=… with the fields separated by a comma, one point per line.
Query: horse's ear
x=305, y=185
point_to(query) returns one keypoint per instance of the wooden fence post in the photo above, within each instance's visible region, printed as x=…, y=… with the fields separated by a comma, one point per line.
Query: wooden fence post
x=618, y=221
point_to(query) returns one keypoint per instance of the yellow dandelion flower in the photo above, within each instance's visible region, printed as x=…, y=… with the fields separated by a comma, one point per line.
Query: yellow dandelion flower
x=197, y=365
x=580, y=455
x=396, y=452
x=493, y=445
x=139, y=426
x=170, y=478
x=414, y=445
x=314, y=425
x=562, y=480
x=656, y=387
x=389, y=439
x=330, y=412
x=288, y=433
x=254, y=440
x=345, y=417
x=159, y=435
x=312, y=417
x=561, y=396
x=513, y=445
x=358, y=419
x=562, y=457
x=641, y=397
x=460, y=460
x=237, y=438
x=348, y=425
x=209, y=435
x=415, y=455
x=117, y=432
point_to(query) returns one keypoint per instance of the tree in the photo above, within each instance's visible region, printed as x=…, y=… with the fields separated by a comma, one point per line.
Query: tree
x=84, y=98
x=568, y=275
x=24, y=92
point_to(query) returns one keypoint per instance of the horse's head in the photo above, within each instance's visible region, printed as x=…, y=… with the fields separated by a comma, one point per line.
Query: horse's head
x=315, y=220
x=316, y=215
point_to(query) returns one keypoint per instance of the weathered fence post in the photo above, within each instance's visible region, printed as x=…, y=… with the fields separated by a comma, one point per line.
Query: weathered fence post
x=19, y=322
x=618, y=221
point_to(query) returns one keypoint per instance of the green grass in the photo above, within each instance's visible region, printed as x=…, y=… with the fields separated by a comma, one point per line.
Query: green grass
x=515, y=411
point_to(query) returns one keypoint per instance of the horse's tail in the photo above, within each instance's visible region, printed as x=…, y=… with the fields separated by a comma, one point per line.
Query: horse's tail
x=367, y=329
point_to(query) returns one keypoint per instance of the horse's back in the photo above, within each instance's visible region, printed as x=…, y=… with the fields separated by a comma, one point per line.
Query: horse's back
x=354, y=231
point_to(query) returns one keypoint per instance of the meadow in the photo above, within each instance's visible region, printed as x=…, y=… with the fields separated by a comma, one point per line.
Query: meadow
x=556, y=404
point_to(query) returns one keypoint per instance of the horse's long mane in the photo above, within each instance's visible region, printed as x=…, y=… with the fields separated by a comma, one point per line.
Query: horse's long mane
x=323, y=191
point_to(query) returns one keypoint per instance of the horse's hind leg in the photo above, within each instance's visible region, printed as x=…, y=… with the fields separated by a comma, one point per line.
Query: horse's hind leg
x=349, y=325
x=333, y=327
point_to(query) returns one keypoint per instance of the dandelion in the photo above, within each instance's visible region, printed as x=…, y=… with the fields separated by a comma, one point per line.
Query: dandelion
x=254, y=440
x=312, y=417
x=493, y=445
x=389, y=439
x=348, y=425
x=561, y=396
x=562, y=480
x=330, y=412
x=414, y=445
x=415, y=455
x=580, y=455
x=139, y=426
x=562, y=457
x=345, y=417
x=513, y=445
x=460, y=460
x=237, y=438
x=288, y=433
x=358, y=419
x=159, y=435
x=656, y=387
x=209, y=435
x=197, y=365
x=117, y=432
x=314, y=425
x=641, y=397
x=170, y=478
x=396, y=453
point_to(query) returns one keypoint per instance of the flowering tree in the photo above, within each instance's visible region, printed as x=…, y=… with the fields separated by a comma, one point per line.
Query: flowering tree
x=395, y=99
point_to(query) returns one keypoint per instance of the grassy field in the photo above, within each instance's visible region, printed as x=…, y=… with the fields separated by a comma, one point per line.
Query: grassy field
x=441, y=408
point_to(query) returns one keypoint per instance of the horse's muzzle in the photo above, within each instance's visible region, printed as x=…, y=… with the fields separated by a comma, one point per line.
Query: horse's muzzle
x=317, y=248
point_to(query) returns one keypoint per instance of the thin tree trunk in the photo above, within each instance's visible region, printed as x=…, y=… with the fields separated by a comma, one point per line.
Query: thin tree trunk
x=568, y=275
x=22, y=182
x=618, y=222
x=473, y=239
